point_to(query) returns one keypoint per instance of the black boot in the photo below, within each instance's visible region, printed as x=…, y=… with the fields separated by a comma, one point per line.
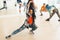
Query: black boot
x=41, y=15
x=47, y=19
x=8, y=36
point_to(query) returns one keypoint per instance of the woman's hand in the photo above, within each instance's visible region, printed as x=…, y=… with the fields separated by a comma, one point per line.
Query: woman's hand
x=30, y=1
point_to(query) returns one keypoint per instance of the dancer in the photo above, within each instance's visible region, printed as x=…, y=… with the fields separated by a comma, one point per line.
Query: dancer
x=43, y=9
x=27, y=24
x=4, y=5
x=20, y=4
x=31, y=6
x=31, y=21
x=25, y=6
x=52, y=10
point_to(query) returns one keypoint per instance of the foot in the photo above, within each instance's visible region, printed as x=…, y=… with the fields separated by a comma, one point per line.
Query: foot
x=41, y=15
x=47, y=19
x=31, y=32
x=59, y=20
x=8, y=36
x=15, y=5
x=6, y=8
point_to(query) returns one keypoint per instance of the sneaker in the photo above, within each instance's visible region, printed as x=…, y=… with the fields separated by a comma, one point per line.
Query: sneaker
x=8, y=36
x=47, y=19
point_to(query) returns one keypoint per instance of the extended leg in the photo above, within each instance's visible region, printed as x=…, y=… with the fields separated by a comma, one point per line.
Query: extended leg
x=25, y=25
x=16, y=31
x=58, y=14
x=51, y=14
x=41, y=13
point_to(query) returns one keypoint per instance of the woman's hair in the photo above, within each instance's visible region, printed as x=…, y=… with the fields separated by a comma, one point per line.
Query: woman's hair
x=29, y=1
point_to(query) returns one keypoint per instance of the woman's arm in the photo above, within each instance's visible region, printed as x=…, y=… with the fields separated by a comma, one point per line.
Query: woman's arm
x=34, y=6
x=28, y=5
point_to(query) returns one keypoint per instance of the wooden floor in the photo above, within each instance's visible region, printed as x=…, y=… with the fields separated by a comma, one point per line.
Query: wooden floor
x=46, y=30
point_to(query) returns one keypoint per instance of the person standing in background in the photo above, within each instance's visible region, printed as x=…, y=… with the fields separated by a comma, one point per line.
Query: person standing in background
x=20, y=4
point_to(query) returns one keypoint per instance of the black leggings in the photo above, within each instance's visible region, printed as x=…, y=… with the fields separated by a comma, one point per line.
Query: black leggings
x=33, y=26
